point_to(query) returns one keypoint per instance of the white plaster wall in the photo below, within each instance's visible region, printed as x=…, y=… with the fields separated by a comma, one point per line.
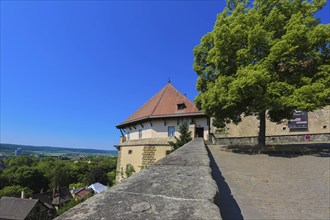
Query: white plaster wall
x=202, y=122
x=158, y=129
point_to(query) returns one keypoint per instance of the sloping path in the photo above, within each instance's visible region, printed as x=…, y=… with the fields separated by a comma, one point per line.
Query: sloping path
x=265, y=187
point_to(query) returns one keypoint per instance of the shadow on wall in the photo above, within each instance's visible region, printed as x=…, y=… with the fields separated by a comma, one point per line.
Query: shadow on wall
x=228, y=206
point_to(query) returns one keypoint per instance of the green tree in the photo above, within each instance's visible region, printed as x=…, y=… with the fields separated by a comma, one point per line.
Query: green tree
x=185, y=137
x=60, y=175
x=76, y=185
x=128, y=172
x=3, y=180
x=68, y=206
x=20, y=161
x=31, y=178
x=112, y=177
x=15, y=191
x=266, y=60
x=96, y=175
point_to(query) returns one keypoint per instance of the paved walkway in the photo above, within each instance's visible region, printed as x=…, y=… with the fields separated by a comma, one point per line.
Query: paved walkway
x=266, y=187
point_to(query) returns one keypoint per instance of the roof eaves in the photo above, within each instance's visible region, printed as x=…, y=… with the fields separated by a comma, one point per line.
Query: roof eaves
x=125, y=123
x=140, y=120
x=178, y=115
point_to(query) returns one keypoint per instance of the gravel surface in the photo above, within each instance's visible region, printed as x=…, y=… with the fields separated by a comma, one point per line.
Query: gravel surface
x=269, y=187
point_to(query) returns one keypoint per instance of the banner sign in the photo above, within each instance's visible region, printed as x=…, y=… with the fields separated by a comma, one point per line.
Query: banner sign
x=299, y=120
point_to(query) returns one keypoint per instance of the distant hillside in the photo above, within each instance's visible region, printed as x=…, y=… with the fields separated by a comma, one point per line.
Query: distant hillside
x=13, y=147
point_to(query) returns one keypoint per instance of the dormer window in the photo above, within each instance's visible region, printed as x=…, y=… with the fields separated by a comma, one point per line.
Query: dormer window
x=181, y=106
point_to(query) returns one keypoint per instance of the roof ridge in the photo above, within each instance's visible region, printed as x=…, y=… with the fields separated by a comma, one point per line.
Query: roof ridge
x=159, y=100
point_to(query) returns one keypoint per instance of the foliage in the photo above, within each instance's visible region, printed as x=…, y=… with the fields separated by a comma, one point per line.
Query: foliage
x=129, y=171
x=29, y=177
x=265, y=60
x=76, y=185
x=68, y=206
x=15, y=191
x=185, y=137
x=36, y=174
x=112, y=177
x=21, y=161
x=96, y=175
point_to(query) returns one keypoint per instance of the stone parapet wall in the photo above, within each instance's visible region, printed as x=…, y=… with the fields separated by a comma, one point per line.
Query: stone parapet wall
x=179, y=186
x=279, y=139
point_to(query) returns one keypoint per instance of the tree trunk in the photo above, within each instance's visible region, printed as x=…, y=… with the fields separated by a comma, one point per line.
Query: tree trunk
x=262, y=129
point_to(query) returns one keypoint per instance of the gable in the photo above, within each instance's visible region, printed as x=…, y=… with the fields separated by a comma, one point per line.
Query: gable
x=168, y=102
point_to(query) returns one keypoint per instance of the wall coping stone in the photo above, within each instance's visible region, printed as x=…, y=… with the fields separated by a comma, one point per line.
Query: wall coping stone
x=179, y=186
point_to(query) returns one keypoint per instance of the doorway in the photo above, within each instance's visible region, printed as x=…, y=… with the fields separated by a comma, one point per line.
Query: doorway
x=200, y=132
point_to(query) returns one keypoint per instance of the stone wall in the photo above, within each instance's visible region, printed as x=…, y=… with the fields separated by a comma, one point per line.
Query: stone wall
x=118, y=171
x=279, y=139
x=148, y=155
x=179, y=186
x=318, y=122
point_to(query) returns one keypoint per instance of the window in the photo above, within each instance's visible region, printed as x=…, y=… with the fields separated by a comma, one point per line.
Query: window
x=171, y=130
x=128, y=135
x=130, y=151
x=140, y=133
x=181, y=106
x=129, y=167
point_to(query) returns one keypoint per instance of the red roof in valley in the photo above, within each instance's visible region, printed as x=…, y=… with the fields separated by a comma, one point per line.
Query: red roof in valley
x=163, y=104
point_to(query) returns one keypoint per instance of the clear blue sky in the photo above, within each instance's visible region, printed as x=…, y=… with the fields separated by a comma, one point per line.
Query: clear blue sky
x=71, y=71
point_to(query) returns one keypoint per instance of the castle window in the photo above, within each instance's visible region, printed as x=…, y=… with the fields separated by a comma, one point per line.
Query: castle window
x=140, y=133
x=129, y=167
x=171, y=130
x=130, y=151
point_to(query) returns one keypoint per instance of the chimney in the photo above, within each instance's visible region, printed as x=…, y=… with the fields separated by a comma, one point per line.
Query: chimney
x=53, y=193
x=22, y=195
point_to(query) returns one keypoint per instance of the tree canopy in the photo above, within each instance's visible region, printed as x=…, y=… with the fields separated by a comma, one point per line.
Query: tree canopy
x=185, y=137
x=33, y=174
x=266, y=60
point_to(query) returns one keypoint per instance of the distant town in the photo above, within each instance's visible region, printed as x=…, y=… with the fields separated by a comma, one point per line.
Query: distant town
x=8, y=150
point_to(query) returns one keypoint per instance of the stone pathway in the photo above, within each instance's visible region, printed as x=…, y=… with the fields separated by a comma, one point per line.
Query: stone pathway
x=267, y=187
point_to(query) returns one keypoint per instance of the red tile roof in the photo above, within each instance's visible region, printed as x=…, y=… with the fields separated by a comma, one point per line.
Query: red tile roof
x=162, y=105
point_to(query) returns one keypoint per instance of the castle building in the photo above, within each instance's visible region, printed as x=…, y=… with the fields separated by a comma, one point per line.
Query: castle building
x=146, y=133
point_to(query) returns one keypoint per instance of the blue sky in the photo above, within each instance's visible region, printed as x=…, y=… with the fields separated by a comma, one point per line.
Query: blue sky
x=72, y=70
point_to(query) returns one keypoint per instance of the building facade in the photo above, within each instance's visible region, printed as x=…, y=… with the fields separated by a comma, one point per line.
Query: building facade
x=146, y=133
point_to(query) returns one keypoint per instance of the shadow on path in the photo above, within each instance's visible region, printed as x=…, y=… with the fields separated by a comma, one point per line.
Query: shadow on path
x=228, y=206
x=284, y=150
